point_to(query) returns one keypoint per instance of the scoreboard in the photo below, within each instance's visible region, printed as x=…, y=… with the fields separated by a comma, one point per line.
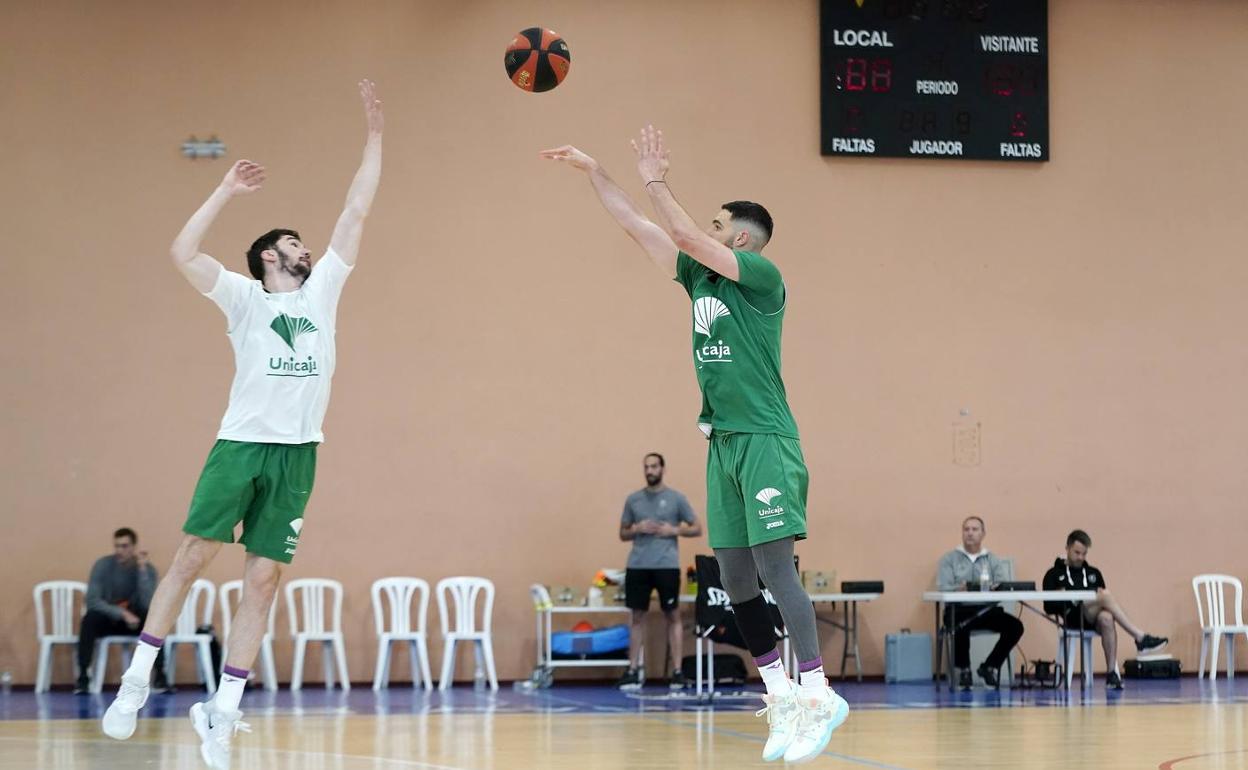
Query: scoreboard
x=935, y=78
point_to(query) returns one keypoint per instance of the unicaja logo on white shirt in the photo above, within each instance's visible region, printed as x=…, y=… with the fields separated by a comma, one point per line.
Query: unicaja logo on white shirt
x=705, y=311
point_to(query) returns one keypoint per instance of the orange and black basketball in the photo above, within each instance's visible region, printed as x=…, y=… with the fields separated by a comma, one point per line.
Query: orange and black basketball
x=537, y=59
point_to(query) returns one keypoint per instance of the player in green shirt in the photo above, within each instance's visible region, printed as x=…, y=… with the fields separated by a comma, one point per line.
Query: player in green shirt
x=755, y=474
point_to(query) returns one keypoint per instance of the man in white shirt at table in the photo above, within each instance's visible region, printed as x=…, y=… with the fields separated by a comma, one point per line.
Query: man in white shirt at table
x=970, y=563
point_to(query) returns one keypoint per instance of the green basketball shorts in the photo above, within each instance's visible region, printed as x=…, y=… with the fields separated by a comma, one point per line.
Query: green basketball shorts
x=265, y=486
x=755, y=489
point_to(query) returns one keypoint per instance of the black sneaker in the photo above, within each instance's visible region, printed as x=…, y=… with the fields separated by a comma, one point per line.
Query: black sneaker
x=989, y=675
x=678, y=681
x=632, y=680
x=83, y=685
x=1113, y=681
x=964, y=679
x=1148, y=644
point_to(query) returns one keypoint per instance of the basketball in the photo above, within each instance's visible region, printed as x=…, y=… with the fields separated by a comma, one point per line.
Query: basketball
x=537, y=59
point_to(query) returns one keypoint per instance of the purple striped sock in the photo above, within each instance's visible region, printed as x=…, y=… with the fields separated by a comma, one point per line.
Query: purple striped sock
x=237, y=673
x=810, y=665
x=151, y=641
x=768, y=659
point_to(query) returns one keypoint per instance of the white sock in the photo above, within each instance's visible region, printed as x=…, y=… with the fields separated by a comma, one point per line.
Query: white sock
x=814, y=685
x=143, y=660
x=776, y=678
x=229, y=694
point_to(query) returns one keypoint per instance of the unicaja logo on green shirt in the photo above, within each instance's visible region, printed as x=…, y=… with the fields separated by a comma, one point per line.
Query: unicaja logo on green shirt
x=705, y=311
x=291, y=329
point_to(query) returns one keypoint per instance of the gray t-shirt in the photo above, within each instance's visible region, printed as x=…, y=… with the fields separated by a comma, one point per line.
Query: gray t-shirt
x=653, y=551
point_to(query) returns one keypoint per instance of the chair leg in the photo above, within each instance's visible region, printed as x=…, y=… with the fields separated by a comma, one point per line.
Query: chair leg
x=171, y=662
x=1087, y=662
x=1215, y=643
x=296, y=675
x=205, y=666
x=44, y=675
x=381, y=673
x=266, y=664
x=1204, y=652
x=424, y=664
x=413, y=658
x=1230, y=656
x=327, y=665
x=1067, y=663
x=101, y=664
x=340, y=653
x=487, y=649
x=448, y=663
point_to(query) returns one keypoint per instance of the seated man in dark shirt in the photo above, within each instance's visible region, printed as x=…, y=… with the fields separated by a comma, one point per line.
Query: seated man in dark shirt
x=118, y=593
x=1075, y=574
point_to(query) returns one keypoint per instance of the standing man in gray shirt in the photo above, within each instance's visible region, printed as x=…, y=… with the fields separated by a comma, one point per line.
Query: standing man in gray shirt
x=653, y=518
x=118, y=594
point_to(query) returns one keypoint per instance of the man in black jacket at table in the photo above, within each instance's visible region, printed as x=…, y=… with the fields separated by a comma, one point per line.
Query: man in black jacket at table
x=1103, y=615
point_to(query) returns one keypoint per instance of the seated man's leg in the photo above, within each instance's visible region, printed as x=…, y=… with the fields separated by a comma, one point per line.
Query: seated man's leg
x=1105, y=602
x=1009, y=630
x=962, y=638
x=95, y=625
x=1103, y=621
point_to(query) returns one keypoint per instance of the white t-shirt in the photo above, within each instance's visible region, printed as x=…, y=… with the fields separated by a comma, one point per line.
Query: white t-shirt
x=283, y=354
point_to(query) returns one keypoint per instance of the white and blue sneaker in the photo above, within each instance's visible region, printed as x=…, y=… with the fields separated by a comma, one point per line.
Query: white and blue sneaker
x=216, y=730
x=783, y=715
x=819, y=718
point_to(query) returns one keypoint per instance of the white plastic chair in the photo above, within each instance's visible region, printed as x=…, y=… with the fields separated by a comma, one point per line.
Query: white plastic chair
x=399, y=592
x=63, y=597
x=305, y=604
x=1212, y=612
x=464, y=592
x=127, y=643
x=196, y=611
x=1066, y=657
x=231, y=594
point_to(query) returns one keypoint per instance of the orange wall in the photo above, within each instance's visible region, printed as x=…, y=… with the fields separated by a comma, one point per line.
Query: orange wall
x=506, y=355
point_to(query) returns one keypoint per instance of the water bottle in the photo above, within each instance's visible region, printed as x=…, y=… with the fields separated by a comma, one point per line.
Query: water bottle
x=478, y=680
x=985, y=579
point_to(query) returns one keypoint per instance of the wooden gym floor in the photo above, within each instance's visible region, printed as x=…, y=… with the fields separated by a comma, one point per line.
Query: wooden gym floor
x=1176, y=725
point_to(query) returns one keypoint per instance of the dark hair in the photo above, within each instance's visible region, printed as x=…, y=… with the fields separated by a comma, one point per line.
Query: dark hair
x=754, y=213
x=1078, y=536
x=982, y=525
x=662, y=462
x=126, y=532
x=255, y=263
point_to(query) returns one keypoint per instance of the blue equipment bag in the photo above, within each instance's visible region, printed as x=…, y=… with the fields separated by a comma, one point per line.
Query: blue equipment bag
x=594, y=642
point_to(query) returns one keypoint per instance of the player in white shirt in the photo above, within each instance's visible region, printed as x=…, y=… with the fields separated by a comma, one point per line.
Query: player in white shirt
x=260, y=472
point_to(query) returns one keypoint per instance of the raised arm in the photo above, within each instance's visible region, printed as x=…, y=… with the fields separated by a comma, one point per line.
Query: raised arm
x=649, y=236
x=199, y=268
x=652, y=164
x=346, y=237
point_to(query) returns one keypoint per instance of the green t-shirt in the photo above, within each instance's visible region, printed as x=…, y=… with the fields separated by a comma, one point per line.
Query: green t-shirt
x=736, y=345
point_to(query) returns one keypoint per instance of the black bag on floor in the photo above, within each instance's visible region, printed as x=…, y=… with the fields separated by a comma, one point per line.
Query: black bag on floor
x=1166, y=668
